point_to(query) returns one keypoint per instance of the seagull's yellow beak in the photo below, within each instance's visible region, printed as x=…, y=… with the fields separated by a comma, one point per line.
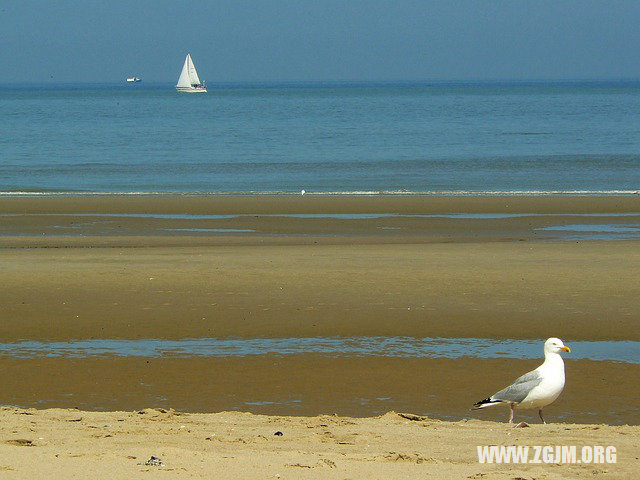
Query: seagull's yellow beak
x=566, y=349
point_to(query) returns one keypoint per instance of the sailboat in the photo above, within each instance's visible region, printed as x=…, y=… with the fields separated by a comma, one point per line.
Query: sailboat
x=189, y=80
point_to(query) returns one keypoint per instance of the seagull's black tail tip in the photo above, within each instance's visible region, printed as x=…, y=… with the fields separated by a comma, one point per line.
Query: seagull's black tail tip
x=487, y=402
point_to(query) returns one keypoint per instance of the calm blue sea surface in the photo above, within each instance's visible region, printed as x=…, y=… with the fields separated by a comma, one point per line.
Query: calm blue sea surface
x=321, y=138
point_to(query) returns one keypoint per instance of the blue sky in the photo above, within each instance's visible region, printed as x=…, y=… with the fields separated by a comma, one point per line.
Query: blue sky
x=321, y=40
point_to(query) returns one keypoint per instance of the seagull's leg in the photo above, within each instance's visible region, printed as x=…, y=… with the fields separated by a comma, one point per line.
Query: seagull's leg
x=511, y=414
x=540, y=413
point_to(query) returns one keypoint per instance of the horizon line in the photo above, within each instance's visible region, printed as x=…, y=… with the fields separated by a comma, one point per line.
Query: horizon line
x=453, y=81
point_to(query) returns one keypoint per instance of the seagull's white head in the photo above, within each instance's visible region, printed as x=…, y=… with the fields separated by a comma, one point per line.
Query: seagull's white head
x=555, y=345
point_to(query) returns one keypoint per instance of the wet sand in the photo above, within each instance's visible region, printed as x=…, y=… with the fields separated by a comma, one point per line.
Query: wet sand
x=579, y=291
x=312, y=384
x=233, y=204
x=180, y=220
x=69, y=276
x=70, y=443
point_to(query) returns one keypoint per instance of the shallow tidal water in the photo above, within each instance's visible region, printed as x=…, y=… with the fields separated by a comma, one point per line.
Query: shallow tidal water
x=618, y=351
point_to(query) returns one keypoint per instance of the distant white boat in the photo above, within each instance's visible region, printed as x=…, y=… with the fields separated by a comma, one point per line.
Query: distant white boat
x=189, y=80
x=133, y=79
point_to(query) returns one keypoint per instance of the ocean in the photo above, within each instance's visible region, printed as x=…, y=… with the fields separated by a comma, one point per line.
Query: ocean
x=322, y=138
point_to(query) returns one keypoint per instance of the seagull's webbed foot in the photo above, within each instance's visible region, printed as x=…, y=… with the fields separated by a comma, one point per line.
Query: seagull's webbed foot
x=519, y=425
x=541, y=418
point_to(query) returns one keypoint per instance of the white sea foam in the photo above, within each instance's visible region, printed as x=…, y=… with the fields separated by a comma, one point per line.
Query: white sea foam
x=444, y=193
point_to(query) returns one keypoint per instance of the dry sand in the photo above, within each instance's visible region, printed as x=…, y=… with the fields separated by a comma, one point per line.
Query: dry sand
x=116, y=445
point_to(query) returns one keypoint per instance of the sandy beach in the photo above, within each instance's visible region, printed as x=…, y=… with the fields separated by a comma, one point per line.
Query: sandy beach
x=176, y=267
x=228, y=445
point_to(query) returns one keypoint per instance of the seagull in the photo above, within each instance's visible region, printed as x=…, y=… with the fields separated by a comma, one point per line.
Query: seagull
x=535, y=389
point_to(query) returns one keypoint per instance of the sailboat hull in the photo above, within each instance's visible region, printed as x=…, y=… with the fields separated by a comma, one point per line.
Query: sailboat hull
x=191, y=90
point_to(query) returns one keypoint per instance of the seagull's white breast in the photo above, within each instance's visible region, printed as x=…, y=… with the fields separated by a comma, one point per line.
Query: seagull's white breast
x=549, y=388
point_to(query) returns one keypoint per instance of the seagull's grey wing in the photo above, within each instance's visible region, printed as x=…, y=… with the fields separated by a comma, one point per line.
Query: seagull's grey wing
x=518, y=390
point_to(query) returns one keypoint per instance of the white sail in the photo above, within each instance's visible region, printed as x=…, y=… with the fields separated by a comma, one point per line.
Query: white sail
x=193, y=74
x=184, y=81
